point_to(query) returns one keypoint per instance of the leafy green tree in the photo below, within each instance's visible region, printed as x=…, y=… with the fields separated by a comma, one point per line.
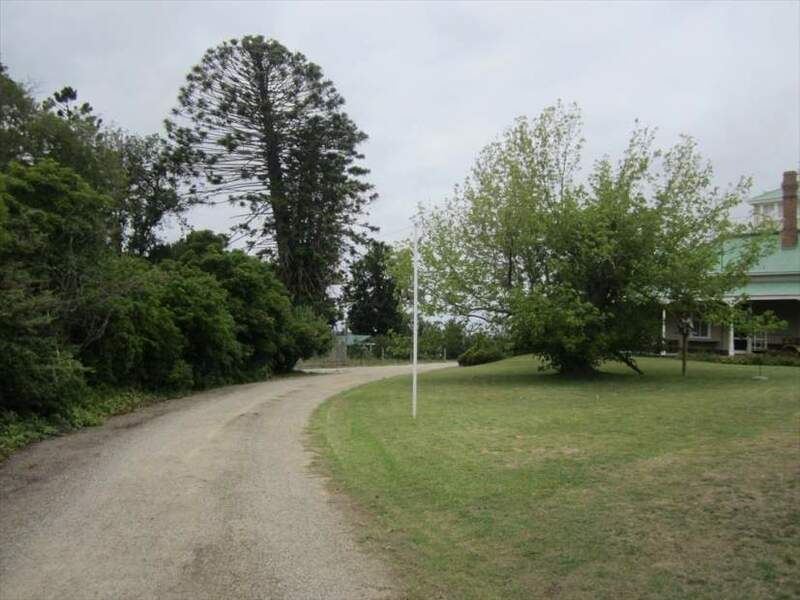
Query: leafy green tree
x=137, y=172
x=60, y=227
x=51, y=239
x=272, y=333
x=455, y=338
x=701, y=256
x=488, y=238
x=16, y=109
x=578, y=274
x=147, y=192
x=372, y=294
x=142, y=344
x=258, y=301
x=260, y=125
x=198, y=303
x=307, y=335
x=752, y=323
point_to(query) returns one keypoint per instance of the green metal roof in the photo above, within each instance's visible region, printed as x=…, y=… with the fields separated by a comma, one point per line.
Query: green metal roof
x=773, y=290
x=770, y=196
x=777, y=275
x=355, y=339
x=779, y=260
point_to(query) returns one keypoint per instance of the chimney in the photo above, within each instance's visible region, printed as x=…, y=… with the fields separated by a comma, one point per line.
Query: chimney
x=789, y=231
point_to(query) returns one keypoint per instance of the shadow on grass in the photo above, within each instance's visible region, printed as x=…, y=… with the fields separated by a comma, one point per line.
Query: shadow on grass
x=520, y=371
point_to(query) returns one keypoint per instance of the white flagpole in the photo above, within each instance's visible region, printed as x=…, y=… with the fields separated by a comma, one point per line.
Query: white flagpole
x=414, y=359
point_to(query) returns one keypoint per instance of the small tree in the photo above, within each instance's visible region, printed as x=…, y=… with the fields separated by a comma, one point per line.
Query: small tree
x=753, y=324
x=701, y=255
x=372, y=294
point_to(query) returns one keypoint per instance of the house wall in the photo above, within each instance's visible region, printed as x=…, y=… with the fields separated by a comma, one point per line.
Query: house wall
x=718, y=340
x=786, y=310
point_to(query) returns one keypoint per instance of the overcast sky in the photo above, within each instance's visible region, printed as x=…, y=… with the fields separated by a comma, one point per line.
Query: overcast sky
x=431, y=84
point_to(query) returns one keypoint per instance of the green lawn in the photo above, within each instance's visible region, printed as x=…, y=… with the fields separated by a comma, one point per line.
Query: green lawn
x=515, y=483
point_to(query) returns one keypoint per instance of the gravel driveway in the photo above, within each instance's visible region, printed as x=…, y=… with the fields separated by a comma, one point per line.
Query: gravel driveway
x=208, y=496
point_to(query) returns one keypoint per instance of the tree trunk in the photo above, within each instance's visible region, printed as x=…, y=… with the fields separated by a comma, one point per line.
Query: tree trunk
x=578, y=369
x=684, y=352
x=627, y=359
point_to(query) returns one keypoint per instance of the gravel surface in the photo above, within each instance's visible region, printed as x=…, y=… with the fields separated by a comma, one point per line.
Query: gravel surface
x=208, y=496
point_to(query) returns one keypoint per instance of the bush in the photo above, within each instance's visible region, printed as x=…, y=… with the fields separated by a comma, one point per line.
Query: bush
x=481, y=352
x=397, y=345
x=20, y=429
x=141, y=342
x=768, y=359
x=181, y=376
x=306, y=335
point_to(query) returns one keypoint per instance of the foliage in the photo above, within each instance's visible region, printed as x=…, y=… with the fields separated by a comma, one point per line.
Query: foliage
x=308, y=335
x=147, y=195
x=372, y=294
x=578, y=274
x=260, y=125
x=397, y=345
x=488, y=238
x=773, y=359
x=142, y=342
x=48, y=257
x=273, y=334
x=454, y=337
x=481, y=352
x=751, y=323
x=90, y=408
x=137, y=173
x=16, y=108
x=91, y=299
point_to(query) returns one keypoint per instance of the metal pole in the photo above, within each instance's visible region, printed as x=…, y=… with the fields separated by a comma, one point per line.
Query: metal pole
x=414, y=334
x=345, y=336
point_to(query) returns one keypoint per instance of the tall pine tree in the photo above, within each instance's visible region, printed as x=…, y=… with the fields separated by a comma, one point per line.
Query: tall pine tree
x=264, y=129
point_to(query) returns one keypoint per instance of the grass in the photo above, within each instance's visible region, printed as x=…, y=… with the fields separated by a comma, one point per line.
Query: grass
x=514, y=483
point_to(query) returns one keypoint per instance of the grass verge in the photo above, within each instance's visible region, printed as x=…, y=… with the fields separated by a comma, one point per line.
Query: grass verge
x=514, y=483
x=17, y=431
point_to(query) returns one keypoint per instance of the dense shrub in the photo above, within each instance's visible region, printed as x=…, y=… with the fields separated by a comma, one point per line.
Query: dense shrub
x=91, y=302
x=142, y=341
x=773, y=359
x=307, y=335
x=91, y=408
x=481, y=352
x=51, y=238
x=74, y=311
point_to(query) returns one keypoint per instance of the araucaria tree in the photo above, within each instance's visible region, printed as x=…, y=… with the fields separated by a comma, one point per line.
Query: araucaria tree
x=578, y=274
x=263, y=129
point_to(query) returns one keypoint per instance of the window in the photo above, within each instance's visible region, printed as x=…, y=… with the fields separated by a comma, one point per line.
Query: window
x=700, y=329
x=760, y=342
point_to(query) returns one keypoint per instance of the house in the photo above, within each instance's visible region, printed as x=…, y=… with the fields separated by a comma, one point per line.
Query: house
x=774, y=283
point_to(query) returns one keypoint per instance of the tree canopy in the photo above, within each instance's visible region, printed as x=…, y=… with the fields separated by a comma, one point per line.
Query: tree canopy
x=91, y=296
x=262, y=128
x=372, y=294
x=578, y=273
